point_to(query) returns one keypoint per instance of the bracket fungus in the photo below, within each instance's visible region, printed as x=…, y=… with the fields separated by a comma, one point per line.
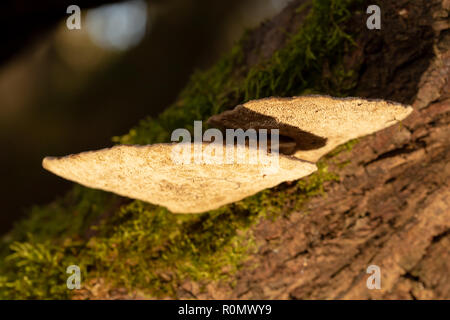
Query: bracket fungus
x=317, y=124
x=149, y=173
x=309, y=127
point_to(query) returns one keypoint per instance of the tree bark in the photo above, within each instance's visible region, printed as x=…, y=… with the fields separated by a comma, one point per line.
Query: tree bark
x=391, y=207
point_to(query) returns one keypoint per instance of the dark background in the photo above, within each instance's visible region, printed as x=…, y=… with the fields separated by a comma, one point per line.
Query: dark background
x=60, y=93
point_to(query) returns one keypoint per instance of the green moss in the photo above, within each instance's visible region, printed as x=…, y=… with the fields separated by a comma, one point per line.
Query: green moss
x=313, y=185
x=152, y=248
x=298, y=68
x=37, y=272
x=35, y=254
x=346, y=147
x=142, y=246
x=67, y=217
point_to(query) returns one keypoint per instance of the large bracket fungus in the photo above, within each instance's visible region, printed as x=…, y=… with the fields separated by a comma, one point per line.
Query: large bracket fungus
x=149, y=173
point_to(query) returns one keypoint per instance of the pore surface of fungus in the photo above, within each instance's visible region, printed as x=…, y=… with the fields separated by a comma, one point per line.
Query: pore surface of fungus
x=149, y=173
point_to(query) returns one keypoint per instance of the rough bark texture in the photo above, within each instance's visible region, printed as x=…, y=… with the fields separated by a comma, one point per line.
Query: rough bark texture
x=391, y=207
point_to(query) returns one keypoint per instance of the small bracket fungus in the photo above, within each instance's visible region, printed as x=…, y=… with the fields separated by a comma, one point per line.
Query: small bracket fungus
x=309, y=127
x=317, y=124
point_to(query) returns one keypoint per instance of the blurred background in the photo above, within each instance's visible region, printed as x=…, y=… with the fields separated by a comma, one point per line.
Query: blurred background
x=65, y=91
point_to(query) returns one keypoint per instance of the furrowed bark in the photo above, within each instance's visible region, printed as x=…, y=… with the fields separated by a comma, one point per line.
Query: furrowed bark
x=391, y=206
